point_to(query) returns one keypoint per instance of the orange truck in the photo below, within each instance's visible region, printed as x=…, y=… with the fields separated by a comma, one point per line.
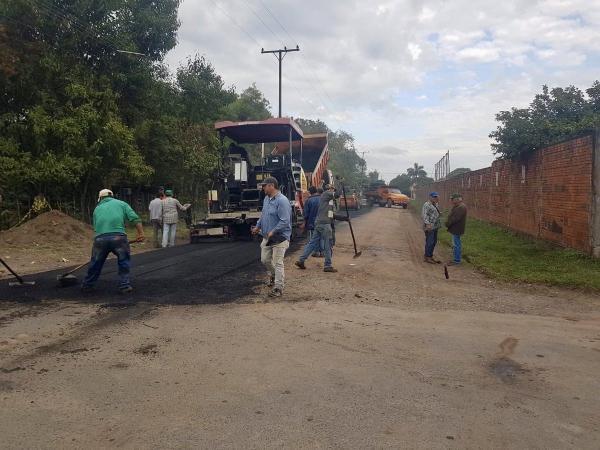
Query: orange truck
x=386, y=196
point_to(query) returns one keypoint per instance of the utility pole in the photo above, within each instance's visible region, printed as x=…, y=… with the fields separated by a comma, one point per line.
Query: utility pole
x=280, y=54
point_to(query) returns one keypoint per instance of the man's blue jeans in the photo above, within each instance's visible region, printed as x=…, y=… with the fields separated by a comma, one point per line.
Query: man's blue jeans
x=310, y=236
x=104, y=244
x=430, y=242
x=457, y=247
x=320, y=239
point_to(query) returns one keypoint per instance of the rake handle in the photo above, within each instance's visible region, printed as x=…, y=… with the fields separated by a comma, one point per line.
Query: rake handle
x=19, y=279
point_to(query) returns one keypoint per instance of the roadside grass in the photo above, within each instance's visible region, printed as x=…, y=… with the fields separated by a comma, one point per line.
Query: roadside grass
x=508, y=256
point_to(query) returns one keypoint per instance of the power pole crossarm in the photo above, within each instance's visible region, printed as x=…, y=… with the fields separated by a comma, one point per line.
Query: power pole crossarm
x=280, y=54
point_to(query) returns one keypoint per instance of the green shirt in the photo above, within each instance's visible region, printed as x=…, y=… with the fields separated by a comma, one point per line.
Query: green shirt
x=110, y=216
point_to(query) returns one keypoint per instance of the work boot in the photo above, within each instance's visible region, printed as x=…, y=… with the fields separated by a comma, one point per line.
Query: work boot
x=435, y=261
x=429, y=260
x=300, y=265
x=276, y=292
x=87, y=288
x=453, y=263
x=330, y=269
x=126, y=290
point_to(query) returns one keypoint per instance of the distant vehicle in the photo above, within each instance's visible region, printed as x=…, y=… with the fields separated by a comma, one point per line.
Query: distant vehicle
x=351, y=199
x=386, y=196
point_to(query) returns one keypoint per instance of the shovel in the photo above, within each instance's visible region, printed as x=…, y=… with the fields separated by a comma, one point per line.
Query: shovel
x=68, y=279
x=356, y=252
x=20, y=281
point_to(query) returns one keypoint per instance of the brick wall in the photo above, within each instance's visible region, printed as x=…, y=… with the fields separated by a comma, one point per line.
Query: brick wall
x=549, y=195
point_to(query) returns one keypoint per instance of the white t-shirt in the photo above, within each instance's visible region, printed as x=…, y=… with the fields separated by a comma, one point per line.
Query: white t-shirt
x=155, y=209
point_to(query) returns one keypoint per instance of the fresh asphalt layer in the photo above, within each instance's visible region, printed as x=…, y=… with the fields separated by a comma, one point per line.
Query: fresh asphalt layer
x=212, y=271
x=192, y=273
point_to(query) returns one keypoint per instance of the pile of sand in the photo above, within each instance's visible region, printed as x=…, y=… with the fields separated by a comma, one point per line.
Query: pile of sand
x=52, y=227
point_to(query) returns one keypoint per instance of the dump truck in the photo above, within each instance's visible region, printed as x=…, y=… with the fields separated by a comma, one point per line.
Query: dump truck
x=235, y=201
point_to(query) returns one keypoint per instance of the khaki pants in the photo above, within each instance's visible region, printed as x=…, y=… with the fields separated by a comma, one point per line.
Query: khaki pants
x=272, y=258
x=156, y=232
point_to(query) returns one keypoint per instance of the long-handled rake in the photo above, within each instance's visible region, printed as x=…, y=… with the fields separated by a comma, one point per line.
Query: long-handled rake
x=356, y=252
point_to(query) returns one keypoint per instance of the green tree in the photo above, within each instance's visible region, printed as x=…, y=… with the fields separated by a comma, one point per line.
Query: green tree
x=554, y=114
x=250, y=105
x=373, y=177
x=416, y=173
x=344, y=161
x=310, y=126
x=71, y=101
x=458, y=171
x=402, y=182
x=203, y=91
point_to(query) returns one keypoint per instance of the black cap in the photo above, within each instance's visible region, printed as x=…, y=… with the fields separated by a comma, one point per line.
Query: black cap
x=271, y=180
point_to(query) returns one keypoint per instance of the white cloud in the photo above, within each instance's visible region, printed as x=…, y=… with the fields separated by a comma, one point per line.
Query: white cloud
x=414, y=50
x=426, y=14
x=484, y=52
x=419, y=76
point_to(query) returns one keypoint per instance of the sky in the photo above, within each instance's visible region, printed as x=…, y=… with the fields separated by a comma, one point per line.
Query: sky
x=410, y=80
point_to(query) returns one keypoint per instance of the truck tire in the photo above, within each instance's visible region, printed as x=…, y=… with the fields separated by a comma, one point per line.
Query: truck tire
x=404, y=206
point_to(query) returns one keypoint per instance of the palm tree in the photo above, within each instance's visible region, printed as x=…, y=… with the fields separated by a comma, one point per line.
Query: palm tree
x=416, y=172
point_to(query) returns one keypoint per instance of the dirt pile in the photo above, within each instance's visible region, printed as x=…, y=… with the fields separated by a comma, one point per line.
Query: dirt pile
x=52, y=227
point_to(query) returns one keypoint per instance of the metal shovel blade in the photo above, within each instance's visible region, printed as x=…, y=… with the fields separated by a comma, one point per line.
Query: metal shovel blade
x=67, y=280
x=21, y=284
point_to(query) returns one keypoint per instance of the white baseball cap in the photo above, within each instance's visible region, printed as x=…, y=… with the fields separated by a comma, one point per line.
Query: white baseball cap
x=104, y=193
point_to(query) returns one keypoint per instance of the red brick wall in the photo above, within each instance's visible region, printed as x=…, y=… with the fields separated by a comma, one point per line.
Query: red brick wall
x=553, y=201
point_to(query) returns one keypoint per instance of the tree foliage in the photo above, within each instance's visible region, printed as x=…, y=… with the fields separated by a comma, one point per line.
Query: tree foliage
x=78, y=114
x=414, y=175
x=553, y=115
x=402, y=182
x=345, y=161
x=458, y=171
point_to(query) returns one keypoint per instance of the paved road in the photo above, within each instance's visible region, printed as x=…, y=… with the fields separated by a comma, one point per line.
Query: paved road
x=386, y=353
x=172, y=275
x=224, y=270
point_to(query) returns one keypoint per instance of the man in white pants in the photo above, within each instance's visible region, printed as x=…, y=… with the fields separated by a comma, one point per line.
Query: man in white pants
x=170, y=217
x=275, y=226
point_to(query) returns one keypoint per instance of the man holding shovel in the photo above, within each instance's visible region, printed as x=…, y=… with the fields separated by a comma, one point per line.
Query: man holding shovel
x=323, y=232
x=109, y=225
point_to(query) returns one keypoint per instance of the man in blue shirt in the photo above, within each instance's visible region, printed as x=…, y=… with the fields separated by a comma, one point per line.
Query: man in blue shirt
x=275, y=226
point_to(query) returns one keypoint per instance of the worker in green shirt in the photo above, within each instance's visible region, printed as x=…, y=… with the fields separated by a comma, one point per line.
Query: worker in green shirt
x=109, y=225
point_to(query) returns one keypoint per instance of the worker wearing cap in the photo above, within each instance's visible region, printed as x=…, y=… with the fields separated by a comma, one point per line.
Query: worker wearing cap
x=110, y=216
x=323, y=231
x=170, y=217
x=275, y=226
x=456, y=222
x=431, y=225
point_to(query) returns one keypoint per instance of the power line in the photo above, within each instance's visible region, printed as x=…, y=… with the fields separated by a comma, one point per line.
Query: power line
x=235, y=23
x=277, y=38
x=278, y=22
x=318, y=85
